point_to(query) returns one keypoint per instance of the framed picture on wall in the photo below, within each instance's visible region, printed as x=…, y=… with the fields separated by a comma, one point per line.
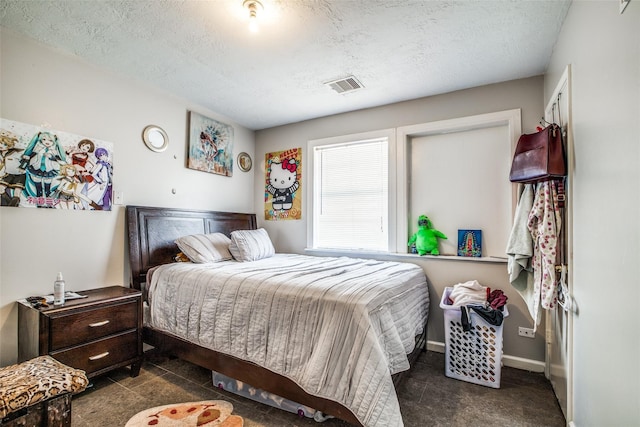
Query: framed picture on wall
x=210, y=145
x=470, y=243
x=283, y=185
x=47, y=168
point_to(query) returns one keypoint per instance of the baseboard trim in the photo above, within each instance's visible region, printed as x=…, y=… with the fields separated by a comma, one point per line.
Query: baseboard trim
x=522, y=363
x=510, y=361
x=436, y=346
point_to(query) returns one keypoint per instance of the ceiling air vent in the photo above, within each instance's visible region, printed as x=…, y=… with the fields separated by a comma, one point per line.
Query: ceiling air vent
x=345, y=85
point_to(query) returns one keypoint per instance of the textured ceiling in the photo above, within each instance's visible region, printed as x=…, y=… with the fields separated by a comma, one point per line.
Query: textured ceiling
x=202, y=51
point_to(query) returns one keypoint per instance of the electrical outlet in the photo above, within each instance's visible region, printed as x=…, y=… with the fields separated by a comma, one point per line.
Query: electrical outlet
x=526, y=332
x=118, y=198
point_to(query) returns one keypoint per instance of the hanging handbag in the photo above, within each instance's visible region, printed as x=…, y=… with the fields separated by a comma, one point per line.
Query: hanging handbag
x=539, y=156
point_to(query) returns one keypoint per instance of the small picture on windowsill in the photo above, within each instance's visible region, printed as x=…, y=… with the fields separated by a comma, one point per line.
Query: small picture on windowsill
x=470, y=243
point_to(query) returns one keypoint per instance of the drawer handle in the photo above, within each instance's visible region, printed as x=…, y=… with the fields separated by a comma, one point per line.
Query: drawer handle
x=95, y=325
x=99, y=356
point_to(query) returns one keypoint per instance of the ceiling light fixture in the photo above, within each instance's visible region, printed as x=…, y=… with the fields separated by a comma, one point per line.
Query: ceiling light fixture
x=254, y=6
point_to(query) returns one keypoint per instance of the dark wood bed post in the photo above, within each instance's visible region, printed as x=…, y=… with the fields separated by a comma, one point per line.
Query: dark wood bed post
x=152, y=232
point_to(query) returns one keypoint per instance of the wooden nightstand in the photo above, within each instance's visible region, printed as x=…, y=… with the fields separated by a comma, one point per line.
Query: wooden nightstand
x=96, y=334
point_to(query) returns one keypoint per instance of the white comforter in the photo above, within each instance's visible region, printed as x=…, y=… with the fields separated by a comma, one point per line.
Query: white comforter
x=338, y=327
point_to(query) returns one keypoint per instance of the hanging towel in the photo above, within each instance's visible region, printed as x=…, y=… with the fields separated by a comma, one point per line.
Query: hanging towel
x=544, y=224
x=520, y=251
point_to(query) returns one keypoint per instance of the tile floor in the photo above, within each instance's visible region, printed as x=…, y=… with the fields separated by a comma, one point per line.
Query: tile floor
x=427, y=397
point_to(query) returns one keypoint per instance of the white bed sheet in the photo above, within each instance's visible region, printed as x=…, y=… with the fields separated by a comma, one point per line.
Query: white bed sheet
x=338, y=327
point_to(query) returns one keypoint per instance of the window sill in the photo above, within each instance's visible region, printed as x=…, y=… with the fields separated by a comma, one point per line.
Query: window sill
x=399, y=256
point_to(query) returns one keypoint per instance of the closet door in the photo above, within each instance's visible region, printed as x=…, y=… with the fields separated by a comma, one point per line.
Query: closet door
x=559, y=354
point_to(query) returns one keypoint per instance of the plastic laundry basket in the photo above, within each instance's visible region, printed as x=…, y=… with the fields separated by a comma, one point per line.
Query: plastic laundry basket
x=474, y=356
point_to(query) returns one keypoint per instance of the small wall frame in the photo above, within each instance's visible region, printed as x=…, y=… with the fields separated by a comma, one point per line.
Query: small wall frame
x=155, y=138
x=244, y=162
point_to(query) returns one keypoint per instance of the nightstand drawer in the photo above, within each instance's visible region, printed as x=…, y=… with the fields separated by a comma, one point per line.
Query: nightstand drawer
x=78, y=328
x=101, y=354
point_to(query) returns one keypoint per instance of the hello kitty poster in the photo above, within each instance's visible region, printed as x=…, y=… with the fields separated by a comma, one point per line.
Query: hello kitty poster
x=283, y=186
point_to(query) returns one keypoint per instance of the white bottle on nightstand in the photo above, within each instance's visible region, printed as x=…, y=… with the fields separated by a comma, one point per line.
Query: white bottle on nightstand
x=58, y=290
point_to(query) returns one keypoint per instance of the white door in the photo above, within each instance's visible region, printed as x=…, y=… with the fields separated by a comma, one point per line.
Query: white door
x=559, y=354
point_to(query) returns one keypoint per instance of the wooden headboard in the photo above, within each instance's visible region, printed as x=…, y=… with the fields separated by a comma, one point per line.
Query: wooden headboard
x=152, y=232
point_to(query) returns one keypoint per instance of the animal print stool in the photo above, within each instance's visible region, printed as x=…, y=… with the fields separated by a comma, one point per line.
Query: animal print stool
x=38, y=393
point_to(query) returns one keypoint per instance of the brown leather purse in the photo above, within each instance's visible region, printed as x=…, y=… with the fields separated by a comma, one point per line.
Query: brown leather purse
x=539, y=156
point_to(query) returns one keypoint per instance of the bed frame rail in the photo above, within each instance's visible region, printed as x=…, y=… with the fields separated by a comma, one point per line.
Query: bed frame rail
x=247, y=372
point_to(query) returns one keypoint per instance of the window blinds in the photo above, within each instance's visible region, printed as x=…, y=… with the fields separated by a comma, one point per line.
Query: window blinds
x=351, y=195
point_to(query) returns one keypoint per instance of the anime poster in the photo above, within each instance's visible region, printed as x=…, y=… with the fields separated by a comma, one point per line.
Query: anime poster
x=470, y=243
x=210, y=145
x=45, y=168
x=283, y=192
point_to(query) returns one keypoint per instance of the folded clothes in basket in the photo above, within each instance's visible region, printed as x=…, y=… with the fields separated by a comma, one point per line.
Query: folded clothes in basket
x=471, y=292
x=497, y=299
x=492, y=316
x=489, y=314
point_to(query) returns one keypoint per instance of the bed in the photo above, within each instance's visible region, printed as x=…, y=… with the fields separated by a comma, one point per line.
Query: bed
x=354, y=391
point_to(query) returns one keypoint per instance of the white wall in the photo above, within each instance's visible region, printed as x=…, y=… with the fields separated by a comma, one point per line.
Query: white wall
x=290, y=236
x=603, y=48
x=43, y=86
x=471, y=164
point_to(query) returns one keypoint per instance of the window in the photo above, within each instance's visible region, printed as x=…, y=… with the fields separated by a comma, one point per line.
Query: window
x=350, y=193
x=366, y=191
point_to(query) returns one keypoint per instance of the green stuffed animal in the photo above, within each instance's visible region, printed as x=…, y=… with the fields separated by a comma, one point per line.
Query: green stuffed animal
x=426, y=238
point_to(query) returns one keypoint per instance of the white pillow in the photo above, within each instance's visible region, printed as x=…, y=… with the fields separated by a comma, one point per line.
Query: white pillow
x=204, y=248
x=251, y=245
